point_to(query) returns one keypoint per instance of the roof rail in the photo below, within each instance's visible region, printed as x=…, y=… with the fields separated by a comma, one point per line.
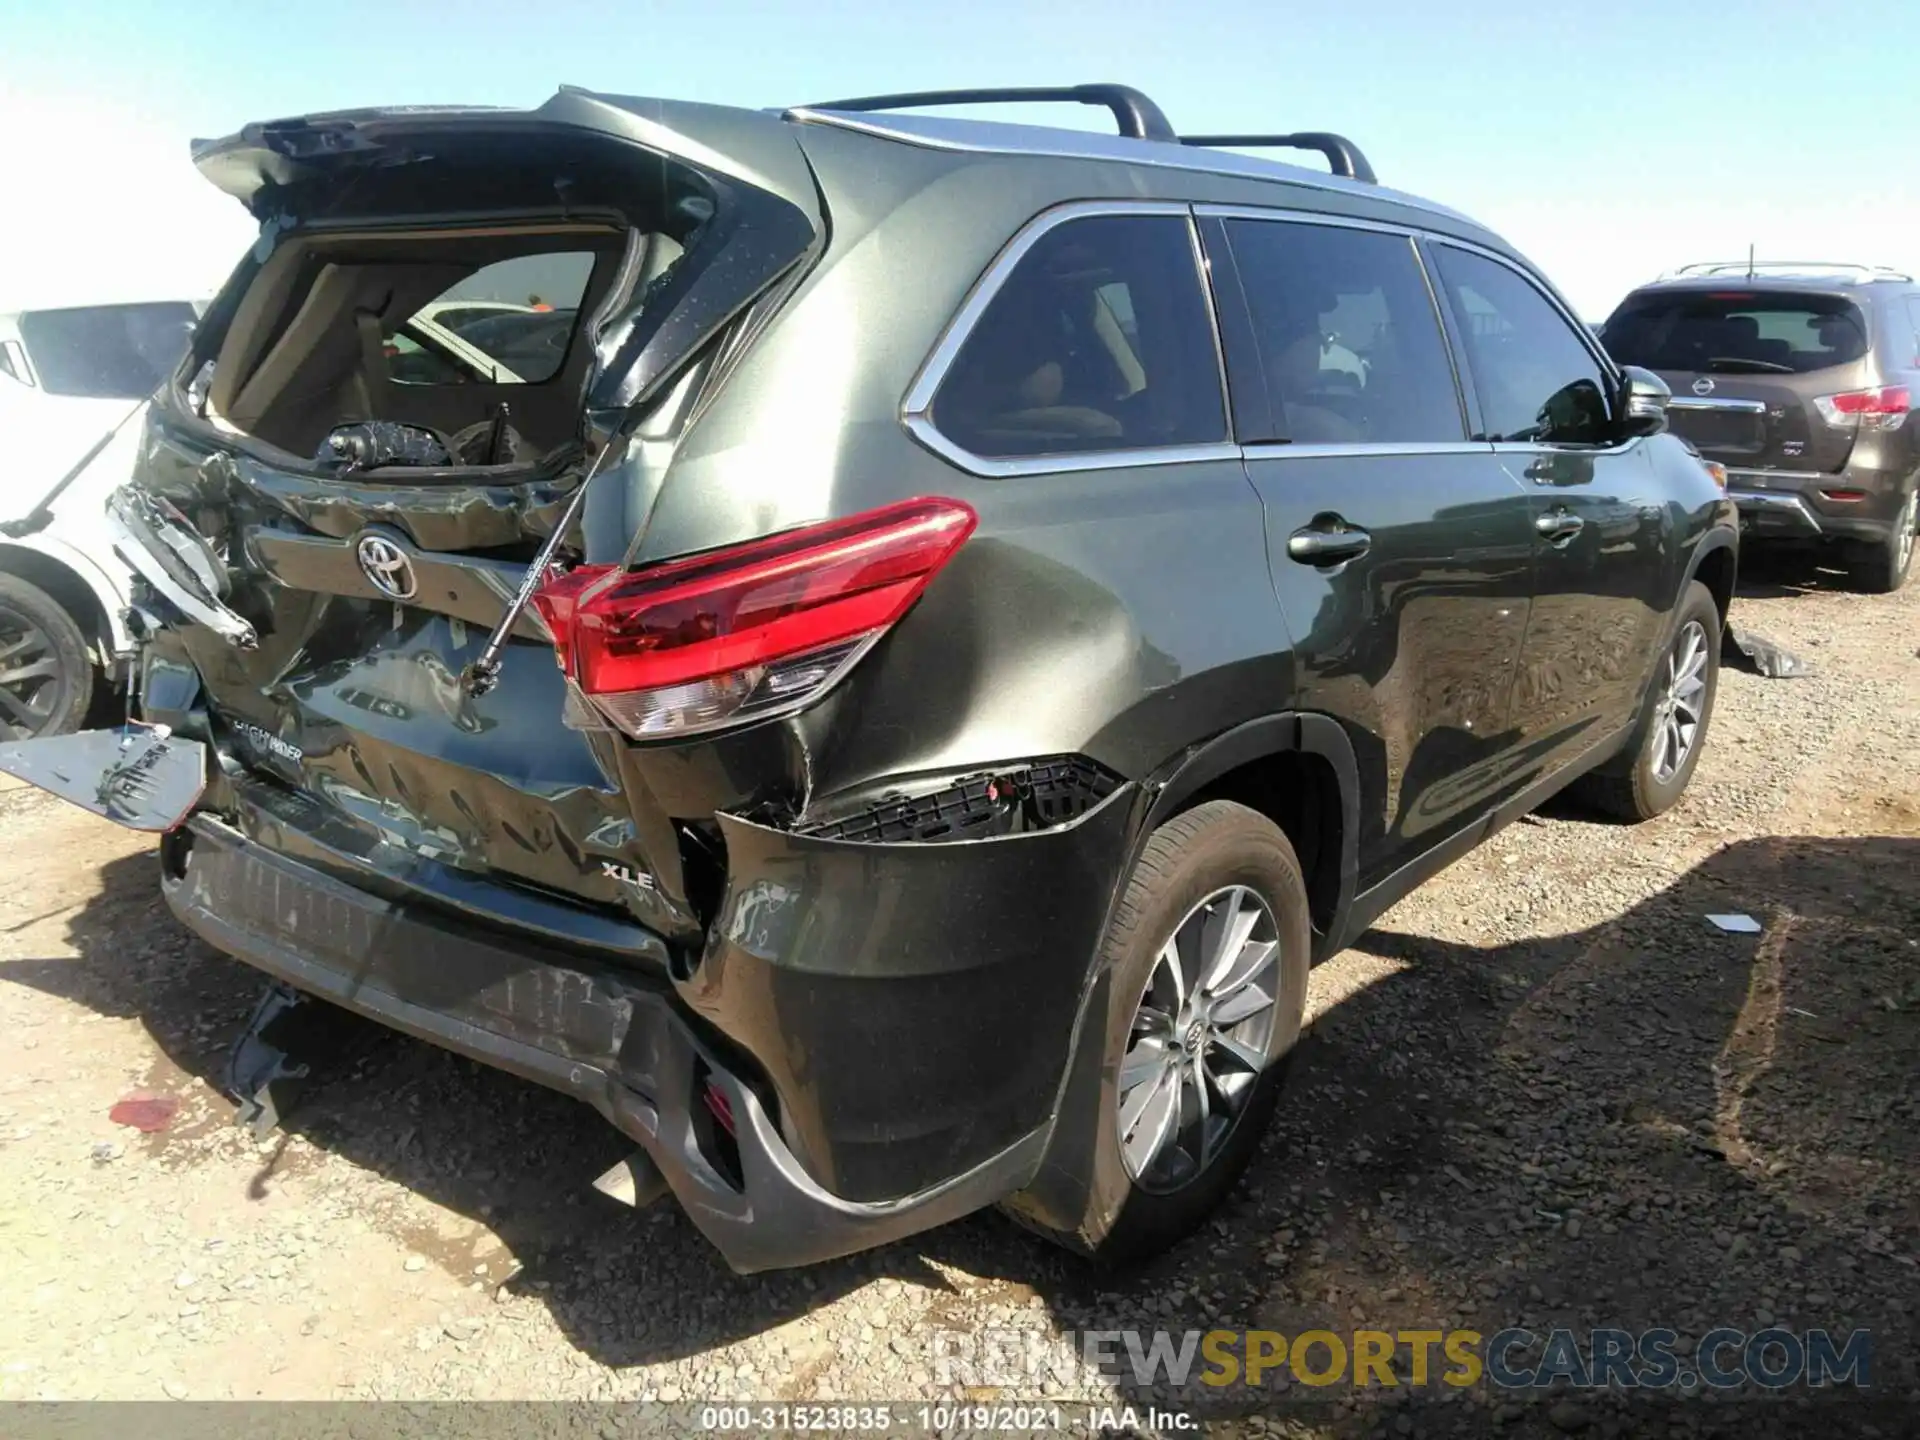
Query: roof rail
x=1136, y=115
x=1343, y=156
x=1788, y=267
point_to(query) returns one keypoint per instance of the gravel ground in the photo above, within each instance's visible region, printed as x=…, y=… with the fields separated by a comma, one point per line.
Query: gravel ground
x=1542, y=1092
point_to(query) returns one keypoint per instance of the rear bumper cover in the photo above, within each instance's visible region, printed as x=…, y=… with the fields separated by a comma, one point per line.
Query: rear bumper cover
x=1795, y=505
x=609, y=1039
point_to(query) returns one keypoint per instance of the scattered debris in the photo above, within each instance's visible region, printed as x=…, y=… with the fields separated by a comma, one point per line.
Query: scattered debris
x=1803, y=1014
x=1736, y=924
x=1760, y=656
x=144, y=1111
x=107, y=1151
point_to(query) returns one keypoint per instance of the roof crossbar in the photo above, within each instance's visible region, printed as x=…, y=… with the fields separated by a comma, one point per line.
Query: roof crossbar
x=1135, y=114
x=1343, y=156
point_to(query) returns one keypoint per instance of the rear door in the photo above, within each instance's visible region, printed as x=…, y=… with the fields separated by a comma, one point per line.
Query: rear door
x=1600, y=532
x=1748, y=368
x=1400, y=549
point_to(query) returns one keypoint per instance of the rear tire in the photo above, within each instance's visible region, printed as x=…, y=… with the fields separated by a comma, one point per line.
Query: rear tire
x=1208, y=953
x=1675, y=713
x=46, y=676
x=1882, y=567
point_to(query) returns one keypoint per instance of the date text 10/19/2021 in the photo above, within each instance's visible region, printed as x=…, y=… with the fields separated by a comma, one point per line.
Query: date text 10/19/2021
x=942, y=1418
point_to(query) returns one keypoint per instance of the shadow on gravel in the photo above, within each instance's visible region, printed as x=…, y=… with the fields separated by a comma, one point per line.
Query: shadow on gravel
x=1646, y=1123
x=1780, y=571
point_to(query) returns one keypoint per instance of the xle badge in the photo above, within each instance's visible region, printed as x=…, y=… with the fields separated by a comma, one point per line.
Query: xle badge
x=633, y=879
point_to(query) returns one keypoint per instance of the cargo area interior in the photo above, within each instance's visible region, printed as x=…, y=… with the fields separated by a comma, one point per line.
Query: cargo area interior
x=401, y=305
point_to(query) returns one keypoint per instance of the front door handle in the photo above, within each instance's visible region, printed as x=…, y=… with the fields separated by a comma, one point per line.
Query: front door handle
x=1558, y=526
x=1327, y=546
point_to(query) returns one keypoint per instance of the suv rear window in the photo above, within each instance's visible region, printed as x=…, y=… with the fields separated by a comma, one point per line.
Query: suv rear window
x=1098, y=340
x=107, y=352
x=1737, y=333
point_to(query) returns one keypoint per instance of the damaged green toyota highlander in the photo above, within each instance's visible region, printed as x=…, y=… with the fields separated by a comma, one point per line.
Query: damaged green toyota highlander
x=875, y=648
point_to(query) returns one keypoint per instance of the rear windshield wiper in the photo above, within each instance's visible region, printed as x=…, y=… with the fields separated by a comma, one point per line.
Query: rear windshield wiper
x=1735, y=364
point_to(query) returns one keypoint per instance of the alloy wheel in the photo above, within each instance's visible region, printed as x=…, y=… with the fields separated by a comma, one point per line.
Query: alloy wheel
x=31, y=686
x=1903, y=529
x=1682, y=704
x=1199, y=1039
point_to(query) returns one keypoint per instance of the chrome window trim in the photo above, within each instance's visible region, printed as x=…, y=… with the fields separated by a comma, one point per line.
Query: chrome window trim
x=916, y=409
x=1707, y=402
x=1296, y=450
x=1564, y=447
x=1286, y=214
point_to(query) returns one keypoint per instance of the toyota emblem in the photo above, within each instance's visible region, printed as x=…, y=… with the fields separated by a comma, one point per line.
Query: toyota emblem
x=387, y=566
x=1703, y=386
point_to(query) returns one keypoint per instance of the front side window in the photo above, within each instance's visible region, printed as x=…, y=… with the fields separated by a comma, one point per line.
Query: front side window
x=1345, y=336
x=1099, y=340
x=1536, y=379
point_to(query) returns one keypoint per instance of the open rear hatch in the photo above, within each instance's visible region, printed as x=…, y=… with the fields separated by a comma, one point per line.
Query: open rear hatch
x=451, y=319
x=1762, y=379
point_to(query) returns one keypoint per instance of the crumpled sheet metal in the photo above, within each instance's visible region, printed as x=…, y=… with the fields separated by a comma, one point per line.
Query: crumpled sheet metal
x=1760, y=656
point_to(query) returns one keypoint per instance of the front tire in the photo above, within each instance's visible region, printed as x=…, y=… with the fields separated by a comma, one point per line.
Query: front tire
x=1208, y=953
x=46, y=676
x=1674, y=717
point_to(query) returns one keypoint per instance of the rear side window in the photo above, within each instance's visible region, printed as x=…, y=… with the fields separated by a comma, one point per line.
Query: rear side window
x=1098, y=340
x=1737, y=333
x=1345, y=336
x=107, y=352
x=1536, y=379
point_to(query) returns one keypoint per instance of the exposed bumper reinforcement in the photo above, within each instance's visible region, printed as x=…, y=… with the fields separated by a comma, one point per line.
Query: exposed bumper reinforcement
x=611, y=1040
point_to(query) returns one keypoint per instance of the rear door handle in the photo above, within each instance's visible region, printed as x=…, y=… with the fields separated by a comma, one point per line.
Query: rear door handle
x=1558, y=526
x=1326, y=546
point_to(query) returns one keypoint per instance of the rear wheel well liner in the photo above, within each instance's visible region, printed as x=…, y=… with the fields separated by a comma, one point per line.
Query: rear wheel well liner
x=1299, y=771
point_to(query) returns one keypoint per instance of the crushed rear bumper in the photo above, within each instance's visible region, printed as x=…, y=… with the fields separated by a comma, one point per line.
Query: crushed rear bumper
x=605, y=1036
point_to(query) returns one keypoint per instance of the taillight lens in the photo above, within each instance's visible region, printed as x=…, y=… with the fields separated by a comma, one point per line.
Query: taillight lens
x=749, y=631
x=1882, y=409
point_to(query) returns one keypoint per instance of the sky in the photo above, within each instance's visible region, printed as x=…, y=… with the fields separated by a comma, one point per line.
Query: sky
x=1608, y=142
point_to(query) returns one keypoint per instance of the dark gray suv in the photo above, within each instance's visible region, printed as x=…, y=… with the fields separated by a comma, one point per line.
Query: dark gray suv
x=960, y=618
x=1800, y=378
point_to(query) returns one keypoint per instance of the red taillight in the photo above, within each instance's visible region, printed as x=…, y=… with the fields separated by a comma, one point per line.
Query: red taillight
x=749, y=631
x=1846, y=497
x=1884, y=408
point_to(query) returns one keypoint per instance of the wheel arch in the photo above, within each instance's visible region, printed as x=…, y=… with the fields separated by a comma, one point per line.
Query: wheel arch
x=1716, y=564
x=1297, y=769
x=81, y=587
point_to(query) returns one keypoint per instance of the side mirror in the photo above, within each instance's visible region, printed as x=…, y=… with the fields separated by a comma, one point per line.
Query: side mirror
x=1644, y=397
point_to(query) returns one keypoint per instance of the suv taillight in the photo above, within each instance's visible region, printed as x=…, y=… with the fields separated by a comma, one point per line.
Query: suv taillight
x=1882, y=409
x=750, y=631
